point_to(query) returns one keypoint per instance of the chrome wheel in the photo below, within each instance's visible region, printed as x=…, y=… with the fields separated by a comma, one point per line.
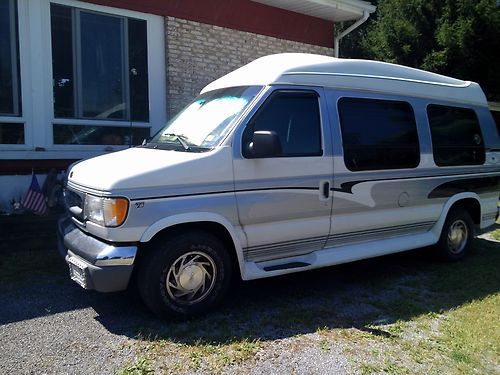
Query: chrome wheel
x=458, y=235
x=191, y=278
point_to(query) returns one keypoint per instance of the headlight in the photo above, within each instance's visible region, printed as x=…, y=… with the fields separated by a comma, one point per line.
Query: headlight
x=108, y=212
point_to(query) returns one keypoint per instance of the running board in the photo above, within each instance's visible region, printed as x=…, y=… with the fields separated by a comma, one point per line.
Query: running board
x=286, y=266
x=337, y=255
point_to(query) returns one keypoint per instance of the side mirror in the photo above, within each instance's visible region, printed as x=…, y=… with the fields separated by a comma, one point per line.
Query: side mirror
x=265, y=144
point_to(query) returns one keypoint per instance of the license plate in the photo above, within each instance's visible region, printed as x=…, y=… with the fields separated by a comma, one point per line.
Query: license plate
x=78, y=271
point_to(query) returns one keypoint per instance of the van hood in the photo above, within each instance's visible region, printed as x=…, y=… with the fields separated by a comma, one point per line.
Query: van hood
x=137, y=168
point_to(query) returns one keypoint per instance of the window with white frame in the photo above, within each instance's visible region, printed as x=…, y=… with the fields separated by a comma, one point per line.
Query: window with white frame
x=100, y=73
x=10, y=92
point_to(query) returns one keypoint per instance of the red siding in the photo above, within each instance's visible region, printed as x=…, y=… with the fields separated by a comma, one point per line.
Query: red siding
x=244, y=15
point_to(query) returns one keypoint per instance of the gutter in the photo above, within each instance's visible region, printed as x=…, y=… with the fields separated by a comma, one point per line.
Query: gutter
x=359, y=22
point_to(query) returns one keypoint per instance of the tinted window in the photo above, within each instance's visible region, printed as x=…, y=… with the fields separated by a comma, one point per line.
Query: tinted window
x=378, y=134
x=295, y=117
x=456, y=136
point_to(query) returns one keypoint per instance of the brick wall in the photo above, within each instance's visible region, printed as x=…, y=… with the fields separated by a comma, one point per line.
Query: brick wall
x=198, y=53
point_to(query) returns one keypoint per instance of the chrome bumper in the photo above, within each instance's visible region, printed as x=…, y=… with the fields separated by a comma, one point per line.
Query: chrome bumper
x=95, y=264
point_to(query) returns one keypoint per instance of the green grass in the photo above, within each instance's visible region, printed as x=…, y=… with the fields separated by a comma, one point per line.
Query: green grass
x=422, y=317
x=140, y=367
x=465, y=340
x=496, y=234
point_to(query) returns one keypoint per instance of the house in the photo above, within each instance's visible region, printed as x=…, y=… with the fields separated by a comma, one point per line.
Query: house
x=83, y=78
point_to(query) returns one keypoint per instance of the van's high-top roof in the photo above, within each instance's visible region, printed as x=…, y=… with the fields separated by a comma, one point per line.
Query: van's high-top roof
x=366, y=75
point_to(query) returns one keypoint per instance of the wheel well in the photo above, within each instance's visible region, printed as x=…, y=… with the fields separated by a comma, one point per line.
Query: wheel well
x=216, y=229
x=472, y=206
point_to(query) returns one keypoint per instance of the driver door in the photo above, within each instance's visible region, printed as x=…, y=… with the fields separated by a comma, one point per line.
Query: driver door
x=284, y=200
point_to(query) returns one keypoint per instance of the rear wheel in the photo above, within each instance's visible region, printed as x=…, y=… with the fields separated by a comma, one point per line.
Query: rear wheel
x=185, y=275
x=456, y=236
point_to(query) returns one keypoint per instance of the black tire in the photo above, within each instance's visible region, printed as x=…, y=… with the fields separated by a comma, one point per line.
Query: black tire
x=457, y=234
x=187, y=261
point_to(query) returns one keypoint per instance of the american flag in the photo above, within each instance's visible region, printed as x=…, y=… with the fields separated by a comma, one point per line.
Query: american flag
x=34, y=198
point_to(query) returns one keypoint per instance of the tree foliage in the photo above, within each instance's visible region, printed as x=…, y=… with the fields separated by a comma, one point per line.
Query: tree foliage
x=459, y=38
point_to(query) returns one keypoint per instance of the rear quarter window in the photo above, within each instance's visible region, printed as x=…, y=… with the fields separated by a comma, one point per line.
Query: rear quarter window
x=456, y=136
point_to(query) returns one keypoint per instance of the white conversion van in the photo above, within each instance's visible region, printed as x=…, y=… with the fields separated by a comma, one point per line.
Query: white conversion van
x=290, y=163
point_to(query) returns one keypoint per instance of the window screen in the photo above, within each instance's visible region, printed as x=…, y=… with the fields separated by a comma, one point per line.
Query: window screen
x=378, y=134
x=295, y=117
x=456, y=136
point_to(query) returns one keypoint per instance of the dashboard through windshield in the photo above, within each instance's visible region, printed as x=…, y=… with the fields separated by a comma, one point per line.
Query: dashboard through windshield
x=205, y=122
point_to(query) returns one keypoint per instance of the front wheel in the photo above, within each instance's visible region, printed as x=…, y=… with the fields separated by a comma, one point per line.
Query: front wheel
x=185, y=275
x=456, y=236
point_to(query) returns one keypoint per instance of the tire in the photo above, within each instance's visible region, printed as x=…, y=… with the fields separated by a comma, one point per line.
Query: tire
x=457, y=234
x=184, y=275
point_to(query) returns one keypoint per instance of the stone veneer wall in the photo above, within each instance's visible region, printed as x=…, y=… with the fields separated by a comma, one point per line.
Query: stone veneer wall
x=198, y=53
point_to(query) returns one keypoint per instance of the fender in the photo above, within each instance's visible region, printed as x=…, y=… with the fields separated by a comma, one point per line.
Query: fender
x=195, y=217
x=438, y=227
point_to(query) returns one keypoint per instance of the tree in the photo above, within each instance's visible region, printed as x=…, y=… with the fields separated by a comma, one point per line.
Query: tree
x=458, y=38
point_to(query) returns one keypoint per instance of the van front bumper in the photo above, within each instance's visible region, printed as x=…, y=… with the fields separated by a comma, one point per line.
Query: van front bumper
x=94, y=264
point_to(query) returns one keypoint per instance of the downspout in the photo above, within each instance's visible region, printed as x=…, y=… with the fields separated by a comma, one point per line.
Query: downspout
x=336, y=40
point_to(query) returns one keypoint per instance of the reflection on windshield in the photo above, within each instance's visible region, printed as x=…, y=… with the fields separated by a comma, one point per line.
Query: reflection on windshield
x=207, y=120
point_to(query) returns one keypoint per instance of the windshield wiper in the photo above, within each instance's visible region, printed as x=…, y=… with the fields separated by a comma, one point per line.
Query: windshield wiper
x=181, y=141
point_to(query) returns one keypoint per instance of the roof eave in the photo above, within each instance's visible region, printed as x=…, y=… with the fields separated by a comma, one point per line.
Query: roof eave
x=331, y=10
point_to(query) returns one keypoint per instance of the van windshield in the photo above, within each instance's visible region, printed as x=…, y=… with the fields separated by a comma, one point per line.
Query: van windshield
x=205, y=122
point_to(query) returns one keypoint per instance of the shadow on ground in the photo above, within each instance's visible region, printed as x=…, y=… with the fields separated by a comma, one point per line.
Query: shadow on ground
x=360, y=294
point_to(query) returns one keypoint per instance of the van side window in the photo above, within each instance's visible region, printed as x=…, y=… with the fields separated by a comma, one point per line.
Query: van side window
x=378, y=134
x=295, y=117
x=456, y=136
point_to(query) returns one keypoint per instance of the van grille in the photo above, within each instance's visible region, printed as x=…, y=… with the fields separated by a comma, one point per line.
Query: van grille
x=75, y=204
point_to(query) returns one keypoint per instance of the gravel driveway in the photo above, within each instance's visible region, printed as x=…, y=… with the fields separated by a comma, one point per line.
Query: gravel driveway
x=49, y=325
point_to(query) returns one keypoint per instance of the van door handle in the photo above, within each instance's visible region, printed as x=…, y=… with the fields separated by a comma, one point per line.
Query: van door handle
x=324, y=188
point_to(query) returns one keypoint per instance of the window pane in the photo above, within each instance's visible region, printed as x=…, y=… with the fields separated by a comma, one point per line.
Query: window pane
x=456, y=136
x=138, y=69
x=62, y=60
x=102, y=66
x=295, y=117
x=9, y=78
x=378, y=134
x=99, y=135
x=12, y=134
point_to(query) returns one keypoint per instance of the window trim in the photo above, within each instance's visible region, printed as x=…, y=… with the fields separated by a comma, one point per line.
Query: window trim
x=76, y=13
x=36, y=90
x=432, y=140
x=378, y=99
x=262, y=103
